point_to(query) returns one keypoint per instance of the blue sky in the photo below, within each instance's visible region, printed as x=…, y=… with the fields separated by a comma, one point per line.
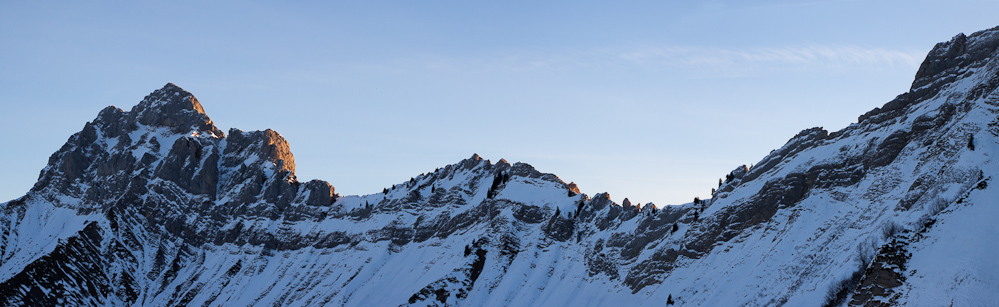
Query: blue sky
x=650, y=100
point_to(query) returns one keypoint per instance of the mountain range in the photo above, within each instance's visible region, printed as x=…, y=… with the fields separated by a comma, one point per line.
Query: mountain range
x=156, y=206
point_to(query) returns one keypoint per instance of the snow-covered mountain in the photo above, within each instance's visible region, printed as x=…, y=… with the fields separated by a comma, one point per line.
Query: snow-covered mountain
x=156, y=206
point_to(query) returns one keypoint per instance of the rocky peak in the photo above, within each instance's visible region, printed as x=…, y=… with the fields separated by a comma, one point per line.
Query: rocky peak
x=572, y=187
x=943, y=56
x=471, y=162
x=173, y=107
x=944, y=64
x=961, y=51
x=267, y=145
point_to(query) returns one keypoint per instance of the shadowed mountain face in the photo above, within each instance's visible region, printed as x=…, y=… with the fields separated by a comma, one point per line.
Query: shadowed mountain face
x=156, y=206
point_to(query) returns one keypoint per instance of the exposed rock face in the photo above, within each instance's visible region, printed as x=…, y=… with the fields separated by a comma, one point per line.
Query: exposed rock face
x=321, y=193
x=156, y=206
x=957, y=54
x=172, y=106
x=266, y=145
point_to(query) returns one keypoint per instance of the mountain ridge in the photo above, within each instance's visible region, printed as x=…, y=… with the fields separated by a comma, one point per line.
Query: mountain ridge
x=157, y=206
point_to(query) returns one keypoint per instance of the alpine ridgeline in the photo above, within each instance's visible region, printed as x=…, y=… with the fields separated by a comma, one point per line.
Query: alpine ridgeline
x=156, y=206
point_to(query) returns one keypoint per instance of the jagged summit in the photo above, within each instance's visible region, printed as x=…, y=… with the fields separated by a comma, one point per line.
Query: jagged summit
x=168, y=139
x=174, y=97
x=173, y=107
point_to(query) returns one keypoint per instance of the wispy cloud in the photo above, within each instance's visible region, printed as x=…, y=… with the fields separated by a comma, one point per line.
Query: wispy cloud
x=741, y=61
x=693, y=61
